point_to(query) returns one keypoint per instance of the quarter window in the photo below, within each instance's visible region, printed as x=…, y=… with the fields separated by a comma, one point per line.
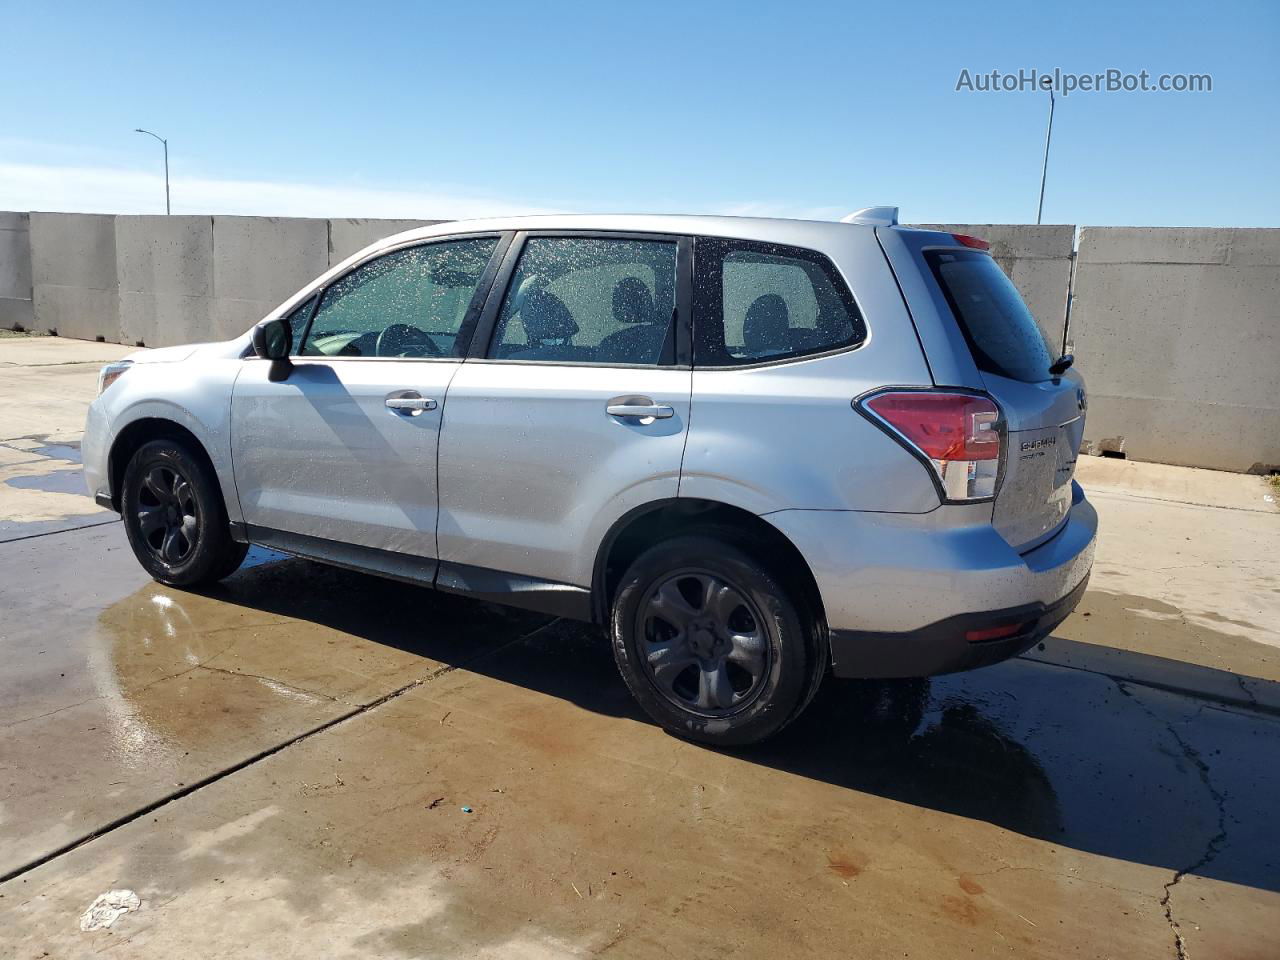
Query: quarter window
x=410, y=303
x=756, y=302
x=589, y=300
x=297, y=321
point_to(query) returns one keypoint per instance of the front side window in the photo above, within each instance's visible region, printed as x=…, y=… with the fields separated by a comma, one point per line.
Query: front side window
x=589, y=300
x=756, y=302
x=409, y=303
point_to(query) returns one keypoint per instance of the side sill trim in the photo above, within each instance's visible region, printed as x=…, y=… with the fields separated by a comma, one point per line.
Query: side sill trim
x=104, y=500
x=515, y=590
x=496, y=586
x=384, y=563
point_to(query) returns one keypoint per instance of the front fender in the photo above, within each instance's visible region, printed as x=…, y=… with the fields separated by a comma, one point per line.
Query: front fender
x=197, y=399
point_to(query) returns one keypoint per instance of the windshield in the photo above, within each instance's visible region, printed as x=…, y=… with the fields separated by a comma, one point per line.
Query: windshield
x=1001, y=332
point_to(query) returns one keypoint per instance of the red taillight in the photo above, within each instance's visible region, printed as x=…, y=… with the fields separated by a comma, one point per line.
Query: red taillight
x=955, y=432
x=967, y=241
x=944, y=426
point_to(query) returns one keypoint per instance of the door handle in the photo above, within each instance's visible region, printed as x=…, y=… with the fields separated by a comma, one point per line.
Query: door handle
x=640, y=407
x=410, y=405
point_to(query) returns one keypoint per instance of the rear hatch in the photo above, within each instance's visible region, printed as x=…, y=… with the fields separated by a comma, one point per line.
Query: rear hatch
x=1044, y=414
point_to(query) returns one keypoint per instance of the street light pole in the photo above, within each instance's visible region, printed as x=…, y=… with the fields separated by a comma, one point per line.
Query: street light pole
x=1044, y=170
x=165, y=144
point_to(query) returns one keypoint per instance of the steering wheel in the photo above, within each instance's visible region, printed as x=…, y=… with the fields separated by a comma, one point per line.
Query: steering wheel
x=402, y=340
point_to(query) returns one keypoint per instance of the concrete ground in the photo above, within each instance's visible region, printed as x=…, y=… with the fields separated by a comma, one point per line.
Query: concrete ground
x=306, y=761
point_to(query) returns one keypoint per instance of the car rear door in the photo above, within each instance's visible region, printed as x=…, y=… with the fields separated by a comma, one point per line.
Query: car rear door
x=572, y=409
x=338, y=460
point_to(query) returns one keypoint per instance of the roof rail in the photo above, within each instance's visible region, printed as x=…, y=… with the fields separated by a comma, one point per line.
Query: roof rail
x=874, y=216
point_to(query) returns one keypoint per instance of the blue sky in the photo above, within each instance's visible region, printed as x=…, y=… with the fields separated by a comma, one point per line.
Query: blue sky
x=794, y=109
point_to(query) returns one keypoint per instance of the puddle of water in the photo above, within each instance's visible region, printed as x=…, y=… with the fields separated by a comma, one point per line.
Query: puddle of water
x=59, y=451
x=58, y=481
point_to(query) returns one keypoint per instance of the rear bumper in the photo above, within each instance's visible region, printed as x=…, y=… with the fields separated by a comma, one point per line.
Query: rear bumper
x=900, y=591
x=942, y=647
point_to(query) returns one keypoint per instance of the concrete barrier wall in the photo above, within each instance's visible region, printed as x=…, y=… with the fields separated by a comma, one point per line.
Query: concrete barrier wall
x=74, y=283
x=161, y=280
x=1038, y=261
x=258, y=262
x=1178, y=333
x=165, y=279
x=16, y=310
x=348, y=236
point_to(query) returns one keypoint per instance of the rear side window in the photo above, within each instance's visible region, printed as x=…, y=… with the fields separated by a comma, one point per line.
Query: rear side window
x=759, y=302
x=1001, y=332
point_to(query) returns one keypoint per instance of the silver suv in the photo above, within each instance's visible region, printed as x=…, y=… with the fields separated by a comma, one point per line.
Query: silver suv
x=753, y=450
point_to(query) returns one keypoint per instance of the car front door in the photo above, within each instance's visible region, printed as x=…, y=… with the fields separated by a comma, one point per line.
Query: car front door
x=572, y=411
x=338, y=460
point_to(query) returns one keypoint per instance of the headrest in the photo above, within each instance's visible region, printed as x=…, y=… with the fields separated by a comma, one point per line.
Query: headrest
x=767, y=323
x=545, y=317
x=632, y=302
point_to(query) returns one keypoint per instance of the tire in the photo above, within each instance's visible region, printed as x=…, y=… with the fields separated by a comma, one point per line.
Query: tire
x=174, y=516
x=734, y=663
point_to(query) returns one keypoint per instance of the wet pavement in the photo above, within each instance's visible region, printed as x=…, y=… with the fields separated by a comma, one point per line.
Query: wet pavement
x=278, y=766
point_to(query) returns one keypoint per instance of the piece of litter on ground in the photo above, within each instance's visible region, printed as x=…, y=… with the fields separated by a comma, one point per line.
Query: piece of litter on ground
x=108, y=908
x=446, y=716
x=466, y=809
x=1021, y=917
x=435, y=803
x=575, y=889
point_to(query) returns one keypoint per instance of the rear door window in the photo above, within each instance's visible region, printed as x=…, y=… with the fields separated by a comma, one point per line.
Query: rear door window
x=1000, y=330
x=759, y=302
x=597, y=300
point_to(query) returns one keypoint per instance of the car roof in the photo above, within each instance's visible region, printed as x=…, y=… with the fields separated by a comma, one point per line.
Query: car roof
x=810, y=233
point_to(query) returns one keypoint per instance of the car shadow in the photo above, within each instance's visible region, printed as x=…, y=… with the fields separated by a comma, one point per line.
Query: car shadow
x=1106, y=765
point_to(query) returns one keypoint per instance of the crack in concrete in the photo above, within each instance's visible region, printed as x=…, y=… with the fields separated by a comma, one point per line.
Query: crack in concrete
x=1214, y=844
x=258, y=676
x=1253, y=700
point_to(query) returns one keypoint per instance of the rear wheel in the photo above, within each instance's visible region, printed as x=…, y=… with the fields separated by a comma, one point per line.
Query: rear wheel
x=712, y=645
x=174, y=516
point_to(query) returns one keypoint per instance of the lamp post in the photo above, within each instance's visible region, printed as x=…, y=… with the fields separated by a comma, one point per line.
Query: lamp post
x=165, y=144
x=1044, y=170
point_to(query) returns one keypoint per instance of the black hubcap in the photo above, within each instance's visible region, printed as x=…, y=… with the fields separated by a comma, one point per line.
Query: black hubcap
x=703, y=643
x=167, y=514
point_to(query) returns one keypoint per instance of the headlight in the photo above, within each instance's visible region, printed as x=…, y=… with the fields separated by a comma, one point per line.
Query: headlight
x=111, y=373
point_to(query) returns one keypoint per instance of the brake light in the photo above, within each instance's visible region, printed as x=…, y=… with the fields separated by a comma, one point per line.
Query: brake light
x=967, y=241
x=955, y=432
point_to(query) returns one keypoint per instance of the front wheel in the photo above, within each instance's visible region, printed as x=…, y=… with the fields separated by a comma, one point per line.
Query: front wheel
x=174, y=516
x=711, y=644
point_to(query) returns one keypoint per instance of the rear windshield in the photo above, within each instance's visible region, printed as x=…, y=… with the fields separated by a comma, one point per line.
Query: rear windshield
x=1001, y=332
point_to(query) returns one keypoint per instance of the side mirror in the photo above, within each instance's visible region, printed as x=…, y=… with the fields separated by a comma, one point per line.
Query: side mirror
x=273, y=340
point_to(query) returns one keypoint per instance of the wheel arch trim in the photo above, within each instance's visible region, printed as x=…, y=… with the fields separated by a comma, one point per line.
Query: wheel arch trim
x=697, y=508
x=149, y=424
